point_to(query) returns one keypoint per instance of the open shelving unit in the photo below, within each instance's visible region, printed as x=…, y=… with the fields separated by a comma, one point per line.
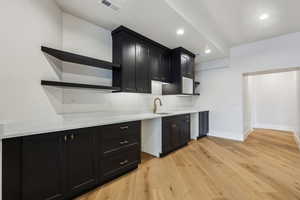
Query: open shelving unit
x=79, y=59
x=83, y=60
x=78, y=85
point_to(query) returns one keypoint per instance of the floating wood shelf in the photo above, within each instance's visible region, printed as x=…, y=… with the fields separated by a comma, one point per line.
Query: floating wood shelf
x=79, y=59
x=78, y=85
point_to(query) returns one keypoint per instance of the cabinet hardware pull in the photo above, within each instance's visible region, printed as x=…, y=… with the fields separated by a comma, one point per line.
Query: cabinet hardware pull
x=124, y=162
x=124, y=127
x=72, y=137
x=124, y=142
x=65, y=138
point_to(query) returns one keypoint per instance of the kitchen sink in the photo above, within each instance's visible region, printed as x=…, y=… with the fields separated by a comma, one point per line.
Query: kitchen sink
x=162, y=113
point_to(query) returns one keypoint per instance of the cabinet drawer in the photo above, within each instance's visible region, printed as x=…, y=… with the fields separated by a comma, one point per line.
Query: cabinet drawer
x=120, y=135
x=117, y=162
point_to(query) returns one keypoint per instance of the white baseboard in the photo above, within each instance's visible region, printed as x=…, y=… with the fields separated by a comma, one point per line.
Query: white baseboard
x=247, y=133
x=297, y=139
x=275, y=127
x=228, y=135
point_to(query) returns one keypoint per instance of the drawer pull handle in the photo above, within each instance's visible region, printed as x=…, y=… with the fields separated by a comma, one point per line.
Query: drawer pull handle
x=72, y=137
x=124, y=162
x=65, y=138
x=124, y=142
x=124, y=127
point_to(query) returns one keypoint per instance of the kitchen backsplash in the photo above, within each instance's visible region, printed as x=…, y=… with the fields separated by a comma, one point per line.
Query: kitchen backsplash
x=77, y=100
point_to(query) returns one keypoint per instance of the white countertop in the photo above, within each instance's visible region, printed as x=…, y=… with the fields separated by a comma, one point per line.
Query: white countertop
x=82, y=120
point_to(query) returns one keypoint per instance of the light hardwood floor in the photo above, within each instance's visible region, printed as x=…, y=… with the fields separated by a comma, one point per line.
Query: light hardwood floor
x=266, y=166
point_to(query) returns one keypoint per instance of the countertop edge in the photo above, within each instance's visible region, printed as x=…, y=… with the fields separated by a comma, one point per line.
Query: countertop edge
x=127, y=118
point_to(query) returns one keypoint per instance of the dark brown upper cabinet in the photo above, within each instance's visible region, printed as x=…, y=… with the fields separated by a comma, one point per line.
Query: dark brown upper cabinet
x=133, y=53
x=160, y=64
x=142, y=67
x=187, y=65
x=141, y=60
x=182, y=65
x=124, y=52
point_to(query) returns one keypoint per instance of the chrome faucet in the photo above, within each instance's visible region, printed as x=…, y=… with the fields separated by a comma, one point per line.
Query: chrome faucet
x=155, y=105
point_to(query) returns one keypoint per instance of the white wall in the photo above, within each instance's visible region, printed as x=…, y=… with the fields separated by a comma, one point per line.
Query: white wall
x=222, y=89
x=275, y=101
x=214, y=64
x=82, y=37
x=25, y=26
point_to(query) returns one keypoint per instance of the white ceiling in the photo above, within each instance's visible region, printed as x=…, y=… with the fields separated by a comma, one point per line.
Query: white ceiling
x=213, y=24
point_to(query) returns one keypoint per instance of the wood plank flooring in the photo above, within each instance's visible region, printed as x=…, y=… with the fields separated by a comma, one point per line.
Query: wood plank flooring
x=265, y=167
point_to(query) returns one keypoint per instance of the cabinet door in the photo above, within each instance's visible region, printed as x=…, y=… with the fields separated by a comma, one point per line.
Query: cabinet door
x=143, y=82
x=166, y=134
x=184, y=64
x=187, y=66
x=206, y=122
x=171, y=134
x=190, y=67
x=176, y=134
x=186, y=132
x=81, y=161
x=165, y=69
x=128, y=55
x=155, y=63
x=42, y=167
x=203, y=123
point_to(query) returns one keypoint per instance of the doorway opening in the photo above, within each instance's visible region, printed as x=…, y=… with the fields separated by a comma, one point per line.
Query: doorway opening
x=271, y=101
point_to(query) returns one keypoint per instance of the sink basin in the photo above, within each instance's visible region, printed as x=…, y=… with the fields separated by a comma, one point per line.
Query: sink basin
x=162, y=113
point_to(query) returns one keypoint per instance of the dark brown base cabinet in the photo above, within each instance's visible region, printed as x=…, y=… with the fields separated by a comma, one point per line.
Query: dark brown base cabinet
x=203, y=124
x=175, y=133
x=62, y=165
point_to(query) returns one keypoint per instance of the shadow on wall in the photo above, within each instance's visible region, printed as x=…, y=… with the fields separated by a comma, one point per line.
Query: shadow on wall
x=55, y=94
x=56, y=64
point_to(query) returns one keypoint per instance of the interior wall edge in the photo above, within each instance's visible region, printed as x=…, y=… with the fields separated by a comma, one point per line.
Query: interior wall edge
x=297, y=139
x=227, y=135
x=247, y=133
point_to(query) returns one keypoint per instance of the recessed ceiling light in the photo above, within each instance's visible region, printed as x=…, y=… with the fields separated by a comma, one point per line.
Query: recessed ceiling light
x=180, y=31
x=264, y=16
x=207, y=51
